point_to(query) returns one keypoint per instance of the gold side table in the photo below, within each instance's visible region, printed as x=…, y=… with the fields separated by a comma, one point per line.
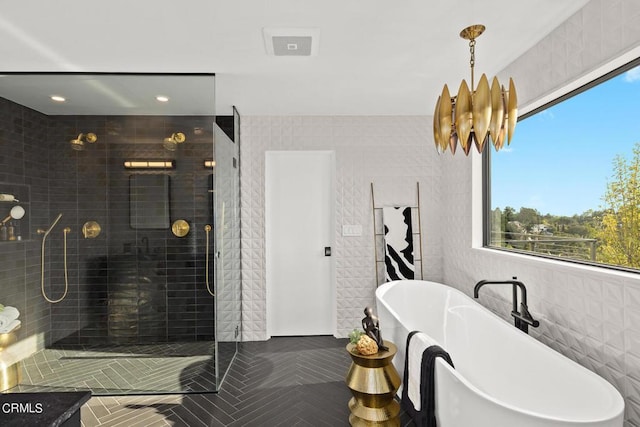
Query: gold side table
x=10, y=373
x=373, y=381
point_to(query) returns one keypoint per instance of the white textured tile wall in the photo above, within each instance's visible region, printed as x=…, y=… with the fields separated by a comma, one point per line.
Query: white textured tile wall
x=590, y=315
x=391, y=152
x=595, y=35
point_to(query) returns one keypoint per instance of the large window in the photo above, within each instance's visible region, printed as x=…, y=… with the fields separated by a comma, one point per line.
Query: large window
x=568, y=186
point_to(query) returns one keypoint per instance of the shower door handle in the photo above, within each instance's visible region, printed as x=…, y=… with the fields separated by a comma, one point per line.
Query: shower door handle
x=327, y=251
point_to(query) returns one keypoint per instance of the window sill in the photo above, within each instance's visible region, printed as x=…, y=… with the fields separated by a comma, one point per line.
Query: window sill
x=573, y=266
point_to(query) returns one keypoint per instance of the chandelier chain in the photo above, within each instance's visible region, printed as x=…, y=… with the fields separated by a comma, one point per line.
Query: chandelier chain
x=472, y=61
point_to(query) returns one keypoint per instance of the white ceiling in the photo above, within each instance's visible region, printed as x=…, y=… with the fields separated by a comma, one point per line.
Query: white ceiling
x=375, y=57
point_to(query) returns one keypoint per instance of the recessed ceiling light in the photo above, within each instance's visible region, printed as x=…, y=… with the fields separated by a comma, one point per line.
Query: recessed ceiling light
x=162, y=98
x=58, y=98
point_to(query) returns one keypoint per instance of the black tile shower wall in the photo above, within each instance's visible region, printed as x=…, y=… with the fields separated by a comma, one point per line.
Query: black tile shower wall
x=126, y=285
x=23, y=173
x=133, y=284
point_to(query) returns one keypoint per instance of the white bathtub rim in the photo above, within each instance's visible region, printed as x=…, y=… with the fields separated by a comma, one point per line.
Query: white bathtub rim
x=614, y=411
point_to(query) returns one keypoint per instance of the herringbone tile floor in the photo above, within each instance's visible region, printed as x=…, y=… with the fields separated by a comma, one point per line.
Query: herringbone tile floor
x=286, y=381
x=113, y=369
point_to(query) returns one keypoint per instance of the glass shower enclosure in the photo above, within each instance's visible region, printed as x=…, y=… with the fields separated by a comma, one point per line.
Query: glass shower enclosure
x=125, y=267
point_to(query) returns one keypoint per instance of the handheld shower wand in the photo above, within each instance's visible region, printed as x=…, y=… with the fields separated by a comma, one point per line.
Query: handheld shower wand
x=17, y=212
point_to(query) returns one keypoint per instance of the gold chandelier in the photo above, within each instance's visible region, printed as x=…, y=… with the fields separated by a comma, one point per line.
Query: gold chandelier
x=488, y=113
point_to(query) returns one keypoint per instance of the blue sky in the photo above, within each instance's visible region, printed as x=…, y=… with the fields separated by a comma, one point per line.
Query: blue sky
x=560, y=160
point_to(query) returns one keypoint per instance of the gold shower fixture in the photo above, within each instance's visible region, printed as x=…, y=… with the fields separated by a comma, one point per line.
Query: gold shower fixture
x=91, y=230
x=485, y=114
x=171, y=143
x=180, y=228
x=16, y=212
x=78, y=143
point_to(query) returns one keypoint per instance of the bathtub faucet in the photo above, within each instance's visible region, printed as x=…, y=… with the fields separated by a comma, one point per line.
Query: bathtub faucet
x=521, y=318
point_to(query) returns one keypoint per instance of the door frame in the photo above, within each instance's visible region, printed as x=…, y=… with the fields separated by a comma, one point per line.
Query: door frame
x=332, y=232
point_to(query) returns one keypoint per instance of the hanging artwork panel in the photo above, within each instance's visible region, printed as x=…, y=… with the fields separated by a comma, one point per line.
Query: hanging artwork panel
x=398, y=243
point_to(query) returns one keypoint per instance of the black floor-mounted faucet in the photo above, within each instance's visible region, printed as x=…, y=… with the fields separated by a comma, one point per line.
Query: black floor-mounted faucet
x=522, y=319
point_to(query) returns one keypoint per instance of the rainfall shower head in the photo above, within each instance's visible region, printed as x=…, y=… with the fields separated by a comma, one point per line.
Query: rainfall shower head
x=78, y=143
x=171, y=143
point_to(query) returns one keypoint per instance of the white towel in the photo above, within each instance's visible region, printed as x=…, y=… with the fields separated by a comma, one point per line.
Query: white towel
x=8, y=315
x=10, y=327
x=418, y=344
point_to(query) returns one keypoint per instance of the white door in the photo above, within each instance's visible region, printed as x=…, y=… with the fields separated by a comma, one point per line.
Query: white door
x=299, y=224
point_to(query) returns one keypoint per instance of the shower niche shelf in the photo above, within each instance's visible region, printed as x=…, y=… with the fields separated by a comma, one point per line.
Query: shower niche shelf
x=21, y=226
x=12, y=216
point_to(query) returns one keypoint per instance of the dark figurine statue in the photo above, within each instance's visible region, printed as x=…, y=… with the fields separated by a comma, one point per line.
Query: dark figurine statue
x=371, y=327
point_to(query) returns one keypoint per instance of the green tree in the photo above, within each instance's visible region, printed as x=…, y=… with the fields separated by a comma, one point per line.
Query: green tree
x=509, y=213
x=619, y=234
x=528, y=217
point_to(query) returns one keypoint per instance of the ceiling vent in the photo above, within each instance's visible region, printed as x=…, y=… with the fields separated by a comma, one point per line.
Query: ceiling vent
x=291, y=41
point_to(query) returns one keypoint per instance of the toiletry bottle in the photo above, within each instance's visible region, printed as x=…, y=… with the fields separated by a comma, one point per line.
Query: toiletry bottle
x=3, y=232
x=11, y=231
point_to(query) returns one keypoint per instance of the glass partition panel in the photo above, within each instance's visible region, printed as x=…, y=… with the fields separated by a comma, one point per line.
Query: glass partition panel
x=227, y=243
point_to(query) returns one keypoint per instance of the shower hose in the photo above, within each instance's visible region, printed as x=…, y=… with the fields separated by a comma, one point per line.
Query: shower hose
x=66, y=231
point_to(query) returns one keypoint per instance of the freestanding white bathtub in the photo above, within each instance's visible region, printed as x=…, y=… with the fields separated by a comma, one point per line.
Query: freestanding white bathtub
x=502, y=376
